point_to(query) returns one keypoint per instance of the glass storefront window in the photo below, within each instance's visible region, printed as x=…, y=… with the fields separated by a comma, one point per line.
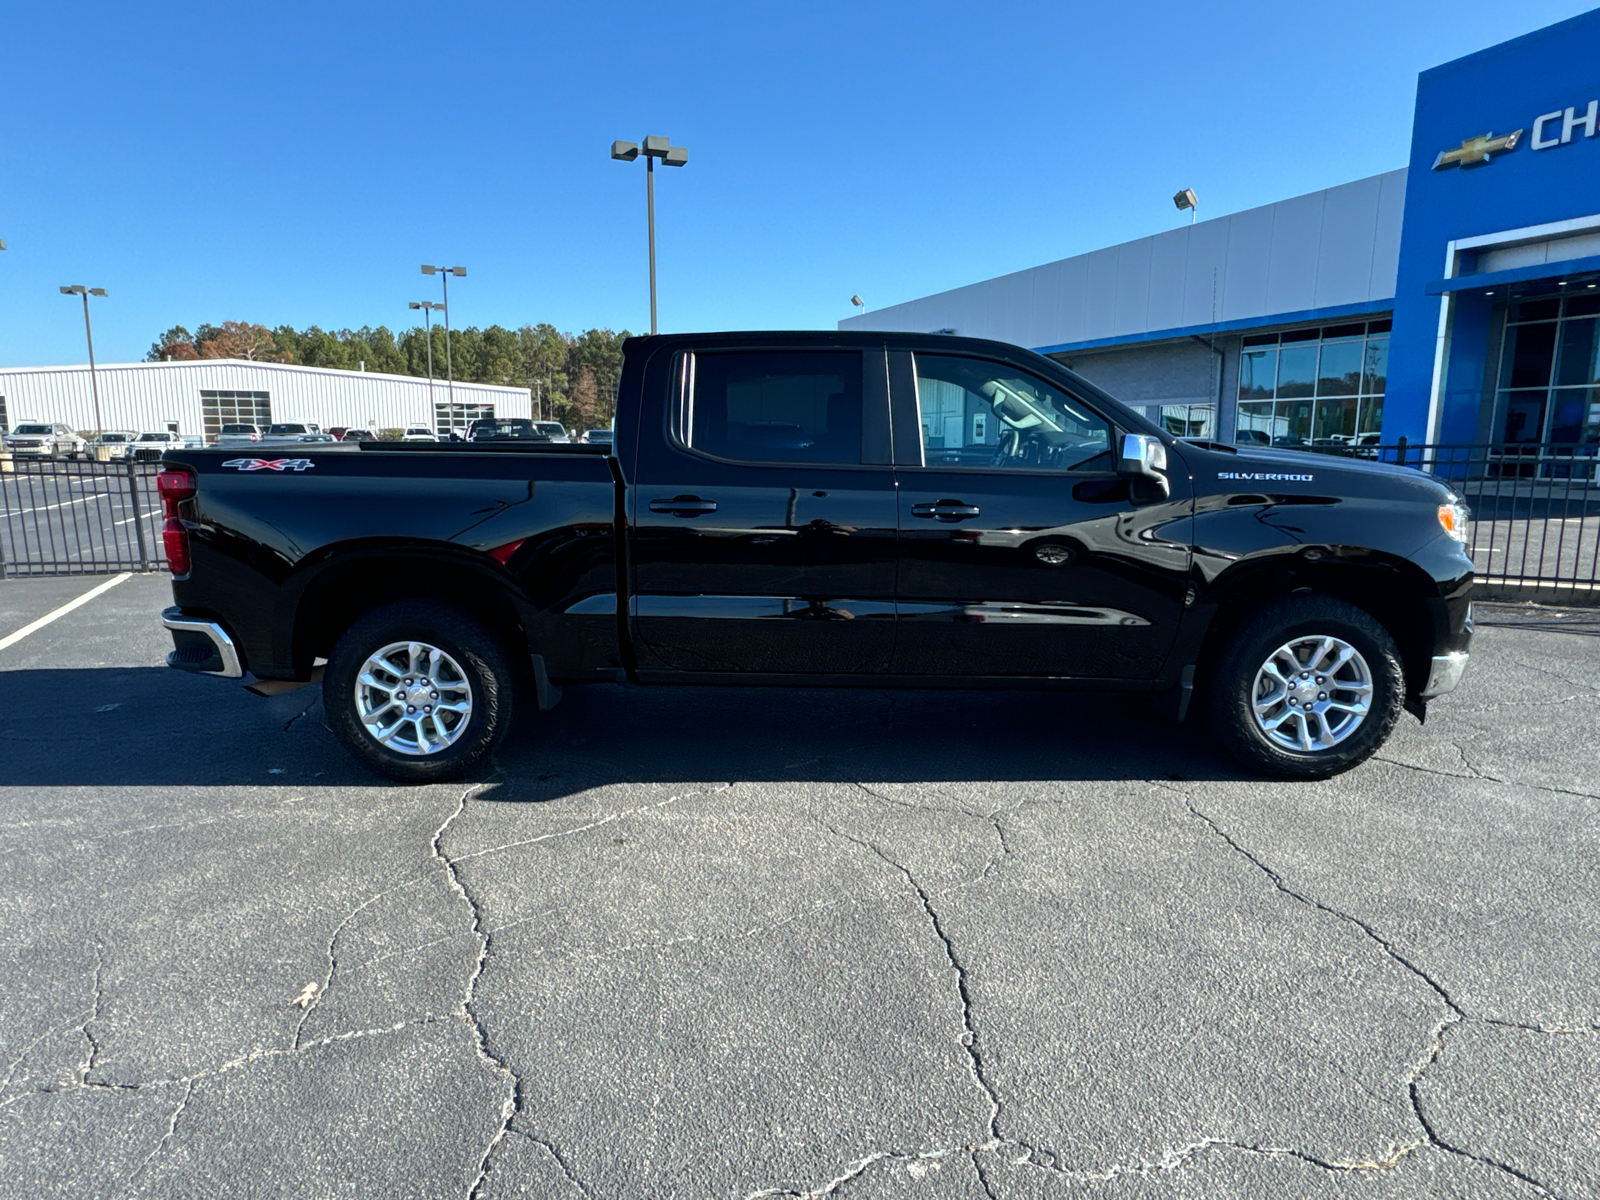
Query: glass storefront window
x=1524, y=416
x=1336, y=420
x=1375, y=371
x=1258, y=372
x=1340, y=371
x=1550, y=372
x=1579, y=361
x=1322, y=384
x=1297, y=371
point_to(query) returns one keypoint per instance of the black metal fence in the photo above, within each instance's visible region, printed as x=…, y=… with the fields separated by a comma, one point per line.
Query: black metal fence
x=79, y=518
x=1535, y=507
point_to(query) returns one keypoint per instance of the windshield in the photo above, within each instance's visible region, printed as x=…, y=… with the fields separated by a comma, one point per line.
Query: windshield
x=553, y=428
x=284, y=430
x=153, y=437
x=33, y=429
x=238, y=429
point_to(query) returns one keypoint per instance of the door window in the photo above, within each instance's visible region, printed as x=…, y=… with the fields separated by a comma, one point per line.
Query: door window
x=769, y=406
x=977, y=413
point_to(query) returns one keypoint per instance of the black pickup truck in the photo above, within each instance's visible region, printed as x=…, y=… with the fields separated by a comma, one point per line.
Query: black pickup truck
x=826, y=509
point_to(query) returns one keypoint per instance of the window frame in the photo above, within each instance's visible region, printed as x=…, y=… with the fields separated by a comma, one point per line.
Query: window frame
x=679, y=409
x=1114, y=428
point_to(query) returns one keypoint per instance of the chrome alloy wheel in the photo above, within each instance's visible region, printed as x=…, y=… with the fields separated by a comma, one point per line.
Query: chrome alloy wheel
x=1312, y=693
x=413, y=698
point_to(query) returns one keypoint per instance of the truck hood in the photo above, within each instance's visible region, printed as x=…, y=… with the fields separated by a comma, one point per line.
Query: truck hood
x=1241, y=468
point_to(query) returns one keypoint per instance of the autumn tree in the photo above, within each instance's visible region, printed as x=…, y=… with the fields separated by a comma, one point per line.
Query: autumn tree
x=237, y=339
x=175, y=345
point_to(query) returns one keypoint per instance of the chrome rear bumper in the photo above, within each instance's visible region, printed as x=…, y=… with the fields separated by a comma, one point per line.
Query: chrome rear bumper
x=224, y=657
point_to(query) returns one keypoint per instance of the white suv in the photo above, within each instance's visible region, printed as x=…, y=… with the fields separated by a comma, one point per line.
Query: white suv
x=37, y=439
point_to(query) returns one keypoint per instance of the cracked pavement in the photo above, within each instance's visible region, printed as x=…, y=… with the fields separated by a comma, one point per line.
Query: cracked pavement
x=739, y=944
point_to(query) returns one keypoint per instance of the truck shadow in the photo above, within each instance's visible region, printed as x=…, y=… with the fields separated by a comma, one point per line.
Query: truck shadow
x=144, y=726
x=671, y=735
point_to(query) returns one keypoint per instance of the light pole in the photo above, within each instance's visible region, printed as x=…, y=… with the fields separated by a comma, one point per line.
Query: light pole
x=670, y=155
x=77, y=289
x=444, y=274
x=427, y=307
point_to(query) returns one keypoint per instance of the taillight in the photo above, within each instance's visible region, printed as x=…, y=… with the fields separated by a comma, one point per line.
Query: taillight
x=176, y=540
x=173, y=484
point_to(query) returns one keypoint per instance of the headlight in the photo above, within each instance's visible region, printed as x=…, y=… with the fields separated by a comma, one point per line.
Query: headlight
x=1453, y=519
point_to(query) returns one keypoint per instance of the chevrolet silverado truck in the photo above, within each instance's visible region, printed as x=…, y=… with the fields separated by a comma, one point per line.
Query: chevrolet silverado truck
x=833, y=510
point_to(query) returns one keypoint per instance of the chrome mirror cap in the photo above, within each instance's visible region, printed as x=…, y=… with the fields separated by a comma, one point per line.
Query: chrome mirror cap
x=1144, y=454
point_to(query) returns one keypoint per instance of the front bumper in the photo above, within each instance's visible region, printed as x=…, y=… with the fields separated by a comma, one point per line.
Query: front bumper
x=202, y=647
x=1445, y=675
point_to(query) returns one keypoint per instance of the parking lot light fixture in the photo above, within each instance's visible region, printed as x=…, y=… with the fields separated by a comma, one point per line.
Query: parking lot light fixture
x=428, y=307
x=77, y=289
x=444, y=274
x=654, y=147
x=859, y=303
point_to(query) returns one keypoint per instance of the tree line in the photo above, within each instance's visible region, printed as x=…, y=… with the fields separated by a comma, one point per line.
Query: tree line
x=573, y=378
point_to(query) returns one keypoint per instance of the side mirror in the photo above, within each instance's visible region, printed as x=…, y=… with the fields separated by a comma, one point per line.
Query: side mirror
x=1144, y=455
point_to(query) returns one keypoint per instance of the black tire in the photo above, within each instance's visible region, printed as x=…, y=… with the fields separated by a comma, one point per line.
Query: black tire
x=484, y=664
x=1230, y=682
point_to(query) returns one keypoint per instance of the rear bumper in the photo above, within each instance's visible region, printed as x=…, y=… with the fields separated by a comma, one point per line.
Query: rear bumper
x=202, y=647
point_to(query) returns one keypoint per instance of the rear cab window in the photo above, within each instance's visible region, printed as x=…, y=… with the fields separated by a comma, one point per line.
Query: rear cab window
x=769, y=406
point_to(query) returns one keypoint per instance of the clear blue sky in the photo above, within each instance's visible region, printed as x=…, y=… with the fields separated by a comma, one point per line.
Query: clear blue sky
x=295, y=163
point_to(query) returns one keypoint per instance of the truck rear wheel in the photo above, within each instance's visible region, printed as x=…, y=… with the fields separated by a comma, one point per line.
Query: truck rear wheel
x=419, y=692
x=1306, y=688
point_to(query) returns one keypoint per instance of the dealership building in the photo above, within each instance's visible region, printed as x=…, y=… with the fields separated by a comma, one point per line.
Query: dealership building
x=199, y=397
x=1455, y=300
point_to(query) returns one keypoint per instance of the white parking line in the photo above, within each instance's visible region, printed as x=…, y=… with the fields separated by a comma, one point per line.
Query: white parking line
x=35, y=626
x=63, y=504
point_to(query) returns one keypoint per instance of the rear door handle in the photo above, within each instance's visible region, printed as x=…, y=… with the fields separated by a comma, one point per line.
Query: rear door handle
x=946, y=510
x=683, y=506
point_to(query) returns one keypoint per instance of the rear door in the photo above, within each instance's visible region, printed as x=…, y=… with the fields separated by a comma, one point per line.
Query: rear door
x=1022, y=552
x=764, y=519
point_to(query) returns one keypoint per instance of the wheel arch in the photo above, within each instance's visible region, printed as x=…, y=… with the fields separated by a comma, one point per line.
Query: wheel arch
x=1397, y=593
x=334, y=594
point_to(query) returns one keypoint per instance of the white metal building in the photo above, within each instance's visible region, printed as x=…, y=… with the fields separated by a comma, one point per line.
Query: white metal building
x=199, y=397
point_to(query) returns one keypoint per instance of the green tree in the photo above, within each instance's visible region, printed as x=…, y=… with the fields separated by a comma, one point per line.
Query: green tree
x=176, y=344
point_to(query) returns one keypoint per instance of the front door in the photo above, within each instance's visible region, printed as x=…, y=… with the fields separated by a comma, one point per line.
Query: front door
x=1022, y=552
x=764, y=522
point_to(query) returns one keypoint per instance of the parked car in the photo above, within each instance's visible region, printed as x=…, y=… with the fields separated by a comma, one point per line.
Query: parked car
x=554, y=430
x=602, y=437
x=507, y=429
x=418, y=433
x=40, y=439
x=283, y=433
x=117, y=443
x=238, y=435
x=1299, y=600
x=337, y=432
x=154, y=445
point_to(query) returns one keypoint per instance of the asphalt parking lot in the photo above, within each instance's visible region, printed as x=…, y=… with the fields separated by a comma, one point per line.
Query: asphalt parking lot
x=737, y=944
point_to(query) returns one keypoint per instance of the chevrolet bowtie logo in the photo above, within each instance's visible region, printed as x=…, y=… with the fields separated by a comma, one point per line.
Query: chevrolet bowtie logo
x=1475, y=151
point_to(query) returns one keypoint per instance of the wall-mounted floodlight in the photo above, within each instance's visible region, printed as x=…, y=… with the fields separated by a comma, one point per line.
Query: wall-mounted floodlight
x=1187, y=199
x=671, y=156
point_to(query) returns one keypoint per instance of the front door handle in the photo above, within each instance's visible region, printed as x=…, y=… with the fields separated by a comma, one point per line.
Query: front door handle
x=683, y=506
x=946, y=510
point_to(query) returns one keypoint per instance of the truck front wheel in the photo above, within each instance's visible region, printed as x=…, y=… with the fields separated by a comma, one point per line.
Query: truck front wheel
x=419, y=692
x=1305, y=688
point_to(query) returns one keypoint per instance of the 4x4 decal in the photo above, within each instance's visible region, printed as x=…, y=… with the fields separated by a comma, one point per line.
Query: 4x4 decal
x=270, y=464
